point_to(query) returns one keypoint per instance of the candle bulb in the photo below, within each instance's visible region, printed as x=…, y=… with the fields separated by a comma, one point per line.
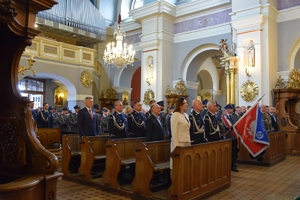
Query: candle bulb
x=31, y=57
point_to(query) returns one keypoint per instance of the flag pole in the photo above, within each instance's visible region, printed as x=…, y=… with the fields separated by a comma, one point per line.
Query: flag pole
x=260, y=98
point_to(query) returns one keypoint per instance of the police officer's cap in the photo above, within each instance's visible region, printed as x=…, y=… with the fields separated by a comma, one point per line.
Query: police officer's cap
x=161, y=103
x=77, y=107
x=96, y=106
x=65, y=108
x=205, y=101
x=51, y=108
x=171, y=107
x=228, y=106
x=104, y=110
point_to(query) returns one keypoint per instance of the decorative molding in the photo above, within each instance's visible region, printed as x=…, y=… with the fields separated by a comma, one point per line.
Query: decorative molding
x=288, y=14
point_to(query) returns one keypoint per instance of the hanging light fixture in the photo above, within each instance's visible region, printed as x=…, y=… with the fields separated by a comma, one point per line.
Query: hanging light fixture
x=119, y=55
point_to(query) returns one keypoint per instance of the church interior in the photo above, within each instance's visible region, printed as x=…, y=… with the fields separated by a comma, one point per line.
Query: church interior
x=59, y=52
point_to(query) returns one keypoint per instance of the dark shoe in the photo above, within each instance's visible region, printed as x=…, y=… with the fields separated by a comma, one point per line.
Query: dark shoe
x=259, y=158
x=234, y=169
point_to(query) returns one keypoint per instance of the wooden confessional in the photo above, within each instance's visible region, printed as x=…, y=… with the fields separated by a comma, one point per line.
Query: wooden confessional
x=287, y=102
x=27, y=169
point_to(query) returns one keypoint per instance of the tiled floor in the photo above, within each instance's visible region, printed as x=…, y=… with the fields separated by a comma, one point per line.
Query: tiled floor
x=279, y=182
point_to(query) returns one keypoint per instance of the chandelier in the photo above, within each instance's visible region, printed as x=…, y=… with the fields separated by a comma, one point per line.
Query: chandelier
x=119, y=55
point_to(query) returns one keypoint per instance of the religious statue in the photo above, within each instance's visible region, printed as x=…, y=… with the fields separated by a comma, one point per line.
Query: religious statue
x=251, y=54
x=224, y=48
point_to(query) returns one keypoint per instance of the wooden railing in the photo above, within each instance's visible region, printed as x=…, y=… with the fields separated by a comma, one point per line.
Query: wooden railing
x=119, y=152
x=92, y=149
x=275, y=153
x=150, y=157
x=200, y=170
x=71, y=153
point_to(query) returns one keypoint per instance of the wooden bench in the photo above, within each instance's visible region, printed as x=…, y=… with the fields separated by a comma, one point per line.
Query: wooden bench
x=71, y=153
x=92, y=150
x=275, y=153
x=119, y=152
x=49, y=138
x=151, y=157
x=200, y=170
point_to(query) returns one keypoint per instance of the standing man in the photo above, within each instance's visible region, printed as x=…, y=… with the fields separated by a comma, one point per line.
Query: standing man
x=45, y=117
x=154, y=129
x=34, y=112
x=233, y=118
x=211, y=125
x=266, y=117
x=274, y=119
x=74, y=119
x=168, y=121
x=137, y=121
x=87, y=120
x=104, y=120
x=204, y=111
x=148, y=114
x=197, y=133
x=162, y=115
x=117, y=122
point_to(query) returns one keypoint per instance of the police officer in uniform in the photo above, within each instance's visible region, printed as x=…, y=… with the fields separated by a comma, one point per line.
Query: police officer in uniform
x=45, y=117
x=233, y=118
x=73, y=118
x=64, y=122
x=211, y=125
x=204, y=111
x=137, y=121
x=104, y=120
x=197, y=133
x=117, y=122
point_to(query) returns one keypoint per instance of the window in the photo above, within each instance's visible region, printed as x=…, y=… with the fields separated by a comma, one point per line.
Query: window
x=33, y=89
x=137, y=4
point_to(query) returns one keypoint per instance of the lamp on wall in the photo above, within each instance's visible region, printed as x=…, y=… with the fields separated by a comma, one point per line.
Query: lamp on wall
x=150, y=67
x=120, y=55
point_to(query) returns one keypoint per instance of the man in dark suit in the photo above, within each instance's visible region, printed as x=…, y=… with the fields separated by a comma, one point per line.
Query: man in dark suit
x=154, y=129
x=87, y=120
x=34, y=112
x=117, y=122
x=272, y=112
x=148, y=114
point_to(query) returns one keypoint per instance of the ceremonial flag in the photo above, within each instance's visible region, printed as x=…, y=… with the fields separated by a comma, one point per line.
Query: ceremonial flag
x=250, y=128
x=228, y=125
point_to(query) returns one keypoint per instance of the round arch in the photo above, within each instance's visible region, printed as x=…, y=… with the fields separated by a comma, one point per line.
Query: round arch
x=195, y=52
x=292, y=55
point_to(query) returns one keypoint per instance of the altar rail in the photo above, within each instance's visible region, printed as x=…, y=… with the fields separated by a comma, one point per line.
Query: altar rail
x=200, y=170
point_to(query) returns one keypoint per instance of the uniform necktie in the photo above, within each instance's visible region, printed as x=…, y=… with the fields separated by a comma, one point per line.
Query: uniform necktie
x=91, y=113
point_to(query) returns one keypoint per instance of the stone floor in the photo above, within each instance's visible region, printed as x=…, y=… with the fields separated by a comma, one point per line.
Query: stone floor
x=278, y=182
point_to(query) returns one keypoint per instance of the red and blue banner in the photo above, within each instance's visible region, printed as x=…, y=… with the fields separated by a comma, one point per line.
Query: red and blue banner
x=251, y=129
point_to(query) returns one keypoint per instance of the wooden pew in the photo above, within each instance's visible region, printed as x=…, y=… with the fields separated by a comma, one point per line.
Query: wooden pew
x=49, y=138
x=200, y=170
x=119, y=152
x=150, y=157
x=92, y=149
x=71, y=153
x=275, y=153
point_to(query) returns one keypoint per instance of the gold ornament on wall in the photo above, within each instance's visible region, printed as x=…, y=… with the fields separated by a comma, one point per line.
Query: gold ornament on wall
x=280, y=83
x=294, y=79
x=86, y=78
x=249, y=91
x=148, y=96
